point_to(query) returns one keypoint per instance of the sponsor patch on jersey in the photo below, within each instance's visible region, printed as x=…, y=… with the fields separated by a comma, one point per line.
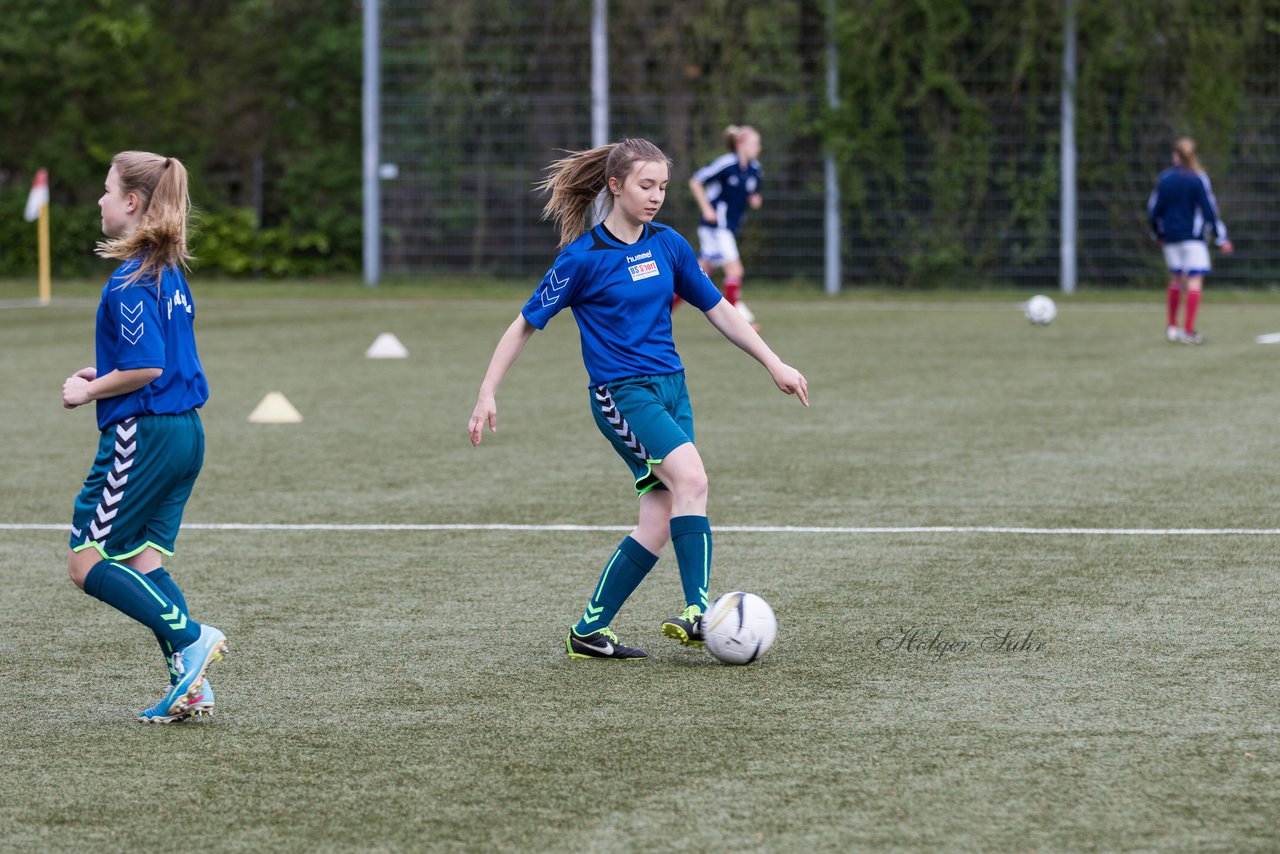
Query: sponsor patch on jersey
x=643, y=271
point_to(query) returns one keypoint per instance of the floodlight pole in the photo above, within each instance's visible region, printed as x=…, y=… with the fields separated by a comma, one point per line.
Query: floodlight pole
x=599, y=73
x=1067, y=272
x=832, y=213
x=372, y=145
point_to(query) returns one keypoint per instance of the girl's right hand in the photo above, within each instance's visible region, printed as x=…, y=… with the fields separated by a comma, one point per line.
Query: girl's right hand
x=791, y=381
x=486, y=412
x=74, y=391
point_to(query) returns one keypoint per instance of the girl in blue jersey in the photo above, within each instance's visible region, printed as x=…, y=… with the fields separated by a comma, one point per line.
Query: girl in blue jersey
x=619, y=278
x=1180, y=208
x=148, y=384
x=724, y=189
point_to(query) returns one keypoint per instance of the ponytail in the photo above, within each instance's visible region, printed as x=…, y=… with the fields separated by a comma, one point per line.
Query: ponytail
x=1184, y=150
x=580, y=180
x=731, y=134
x=160, y=240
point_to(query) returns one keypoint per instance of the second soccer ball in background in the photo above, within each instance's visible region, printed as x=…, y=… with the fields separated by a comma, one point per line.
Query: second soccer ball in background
x=1040, y=310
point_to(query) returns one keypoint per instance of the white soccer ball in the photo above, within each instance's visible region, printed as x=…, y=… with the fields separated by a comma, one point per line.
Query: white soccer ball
x=1040, y=310
x=739, y=628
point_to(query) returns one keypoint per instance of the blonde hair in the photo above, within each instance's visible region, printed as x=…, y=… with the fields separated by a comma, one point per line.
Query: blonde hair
x=576, y=181
x=1184, y=149
x=733, y=133
x=160, y=240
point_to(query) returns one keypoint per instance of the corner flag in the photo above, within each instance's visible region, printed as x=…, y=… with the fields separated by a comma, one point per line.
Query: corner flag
x=39, y=196
x=38, y=208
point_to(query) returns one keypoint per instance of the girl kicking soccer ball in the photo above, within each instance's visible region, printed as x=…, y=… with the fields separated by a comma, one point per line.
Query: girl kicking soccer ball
x=148, y=384
x=619, y=278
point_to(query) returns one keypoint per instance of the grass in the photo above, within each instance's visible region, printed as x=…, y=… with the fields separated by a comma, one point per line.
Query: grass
x=406, y=689
x=396, y=286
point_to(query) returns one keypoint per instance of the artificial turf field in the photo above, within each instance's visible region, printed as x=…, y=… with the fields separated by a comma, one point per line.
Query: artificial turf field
x=960, y=477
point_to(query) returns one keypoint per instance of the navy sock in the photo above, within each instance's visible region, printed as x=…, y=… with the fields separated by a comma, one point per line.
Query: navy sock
x=621, y=576
x=691, y=537
x=165, y=584
x=125, y=589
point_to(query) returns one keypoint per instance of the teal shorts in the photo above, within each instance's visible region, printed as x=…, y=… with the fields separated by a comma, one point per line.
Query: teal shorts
x=644, y=418
x=138, y=487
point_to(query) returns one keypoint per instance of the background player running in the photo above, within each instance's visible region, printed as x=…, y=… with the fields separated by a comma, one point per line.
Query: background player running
x=724, y=189
x=1181, y=207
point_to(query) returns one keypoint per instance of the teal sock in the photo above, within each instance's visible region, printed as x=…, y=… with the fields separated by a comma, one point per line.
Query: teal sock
x=621, y=576
x=125, y=589
x=691, y=537
x=165, y=584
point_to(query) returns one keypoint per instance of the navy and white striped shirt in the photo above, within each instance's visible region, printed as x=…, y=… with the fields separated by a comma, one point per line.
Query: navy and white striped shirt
x=728, y=185
x=1181, y=205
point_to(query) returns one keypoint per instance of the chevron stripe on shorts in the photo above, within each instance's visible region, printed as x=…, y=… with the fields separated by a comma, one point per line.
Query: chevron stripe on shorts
x=117, y=477
x=619, y=424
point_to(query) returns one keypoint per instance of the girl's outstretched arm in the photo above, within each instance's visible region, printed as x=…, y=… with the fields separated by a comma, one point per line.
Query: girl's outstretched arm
x=510, y=345
x=725, y=317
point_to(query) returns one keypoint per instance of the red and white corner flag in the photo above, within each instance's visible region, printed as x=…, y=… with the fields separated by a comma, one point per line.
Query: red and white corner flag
x=39, y=196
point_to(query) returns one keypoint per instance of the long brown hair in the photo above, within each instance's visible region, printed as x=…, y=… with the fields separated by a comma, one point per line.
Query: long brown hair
x=575, y=181
x=160, y=240
x=1184, y=149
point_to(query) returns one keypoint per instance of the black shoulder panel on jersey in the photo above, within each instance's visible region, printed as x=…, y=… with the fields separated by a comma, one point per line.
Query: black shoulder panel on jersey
x=597, y=242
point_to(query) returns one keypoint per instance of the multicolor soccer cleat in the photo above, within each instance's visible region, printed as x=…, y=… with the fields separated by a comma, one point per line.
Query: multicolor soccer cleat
x=201, y=707
x=600, y=644
x=686, y=628
x=196, y=658
x=202, y=704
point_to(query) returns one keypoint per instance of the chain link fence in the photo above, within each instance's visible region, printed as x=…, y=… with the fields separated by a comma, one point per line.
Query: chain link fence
x=478, y=96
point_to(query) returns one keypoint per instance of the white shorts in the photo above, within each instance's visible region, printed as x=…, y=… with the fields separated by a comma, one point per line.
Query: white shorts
x=719, y=246
x=1189, y=256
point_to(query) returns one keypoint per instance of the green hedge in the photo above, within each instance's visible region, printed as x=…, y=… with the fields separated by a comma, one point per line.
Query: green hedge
x=225, y=242
x=229, y=242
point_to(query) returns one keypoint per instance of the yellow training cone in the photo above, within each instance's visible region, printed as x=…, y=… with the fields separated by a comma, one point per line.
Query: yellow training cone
x=275, y=408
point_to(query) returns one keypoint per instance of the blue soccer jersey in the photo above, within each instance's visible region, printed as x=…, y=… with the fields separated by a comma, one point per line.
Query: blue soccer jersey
x=621, y=297
x=728, y=185
x=146, y=325
x=1182, y=205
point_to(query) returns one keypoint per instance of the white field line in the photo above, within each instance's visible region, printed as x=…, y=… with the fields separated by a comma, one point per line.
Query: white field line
x=724, y=529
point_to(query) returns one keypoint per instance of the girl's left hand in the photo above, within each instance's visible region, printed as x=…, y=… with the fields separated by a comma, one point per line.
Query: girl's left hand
x=75, y=390
x=90, y=373
x=791, y=381
x=484, y=415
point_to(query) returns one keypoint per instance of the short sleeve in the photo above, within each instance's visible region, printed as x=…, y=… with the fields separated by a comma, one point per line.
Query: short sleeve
x=555, y=292
x=140, y=340
x=691, y=282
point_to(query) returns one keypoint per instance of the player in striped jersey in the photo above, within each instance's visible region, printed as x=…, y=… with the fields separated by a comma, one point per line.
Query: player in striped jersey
x=724, y=189
x=619, y=278
x=1179, y=211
